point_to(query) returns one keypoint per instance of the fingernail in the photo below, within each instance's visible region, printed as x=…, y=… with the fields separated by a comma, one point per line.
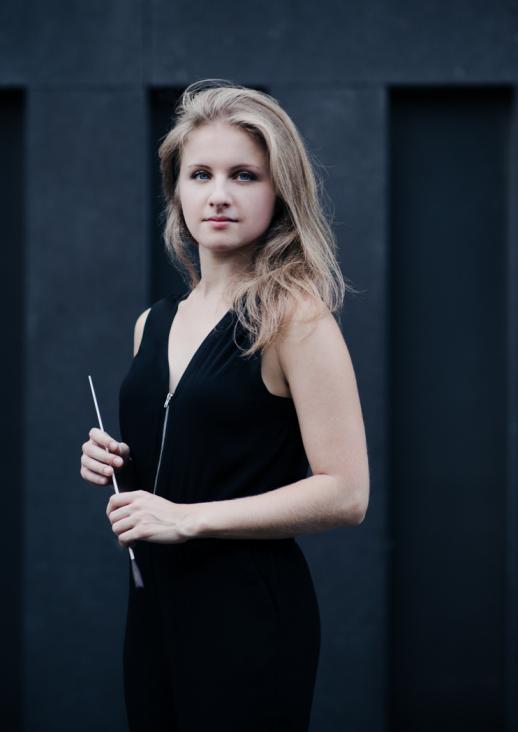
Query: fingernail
x=118, y=461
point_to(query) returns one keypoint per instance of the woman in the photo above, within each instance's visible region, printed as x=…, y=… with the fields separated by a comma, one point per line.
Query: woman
x=236, y=386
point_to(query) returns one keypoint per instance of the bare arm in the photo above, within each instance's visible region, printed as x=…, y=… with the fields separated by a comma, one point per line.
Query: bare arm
x=316, y=363
x=320, y=374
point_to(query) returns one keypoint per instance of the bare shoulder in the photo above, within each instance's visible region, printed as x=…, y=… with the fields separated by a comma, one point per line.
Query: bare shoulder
x=313, y=354
x=139, y=329
x=307, y=324
x=317, y=366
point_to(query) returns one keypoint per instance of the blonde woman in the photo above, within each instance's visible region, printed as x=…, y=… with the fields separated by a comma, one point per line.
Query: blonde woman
x=238, y=385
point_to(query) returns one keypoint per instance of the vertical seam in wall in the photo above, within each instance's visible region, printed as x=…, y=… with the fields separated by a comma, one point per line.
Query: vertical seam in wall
x=511, y=624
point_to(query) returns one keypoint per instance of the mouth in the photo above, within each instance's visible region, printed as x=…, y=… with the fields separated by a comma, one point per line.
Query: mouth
x=220, y=218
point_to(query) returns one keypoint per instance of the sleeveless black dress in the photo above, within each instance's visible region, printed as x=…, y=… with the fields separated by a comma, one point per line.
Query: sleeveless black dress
x=225, y=634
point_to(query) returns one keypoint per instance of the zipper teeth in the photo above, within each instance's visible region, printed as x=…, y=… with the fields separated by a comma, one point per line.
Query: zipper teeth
x=166, y=405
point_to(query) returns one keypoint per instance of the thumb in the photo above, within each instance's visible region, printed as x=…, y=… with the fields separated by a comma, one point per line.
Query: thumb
x=124, y=450
x=120, y=448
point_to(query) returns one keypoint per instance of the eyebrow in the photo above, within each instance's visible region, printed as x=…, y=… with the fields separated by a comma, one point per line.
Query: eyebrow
x=232, y=167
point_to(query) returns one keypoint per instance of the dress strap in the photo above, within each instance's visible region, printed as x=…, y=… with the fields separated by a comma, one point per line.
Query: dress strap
x=158, y=321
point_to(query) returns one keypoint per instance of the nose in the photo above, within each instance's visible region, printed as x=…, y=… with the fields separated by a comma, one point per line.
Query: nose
x=219, y=195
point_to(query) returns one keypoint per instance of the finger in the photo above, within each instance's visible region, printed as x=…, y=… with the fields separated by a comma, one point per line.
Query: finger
x=100, y=453
x=120, y=513
x=123, y=449
x=123, y=524
x=121, y=499
x=95, y=466
x=100, y=437
x=118, y=448
x=91, y=477
x=128, y=537
x=125, y=546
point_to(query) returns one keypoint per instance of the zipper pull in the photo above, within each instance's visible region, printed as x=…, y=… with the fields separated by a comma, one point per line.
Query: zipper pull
x=168, y=398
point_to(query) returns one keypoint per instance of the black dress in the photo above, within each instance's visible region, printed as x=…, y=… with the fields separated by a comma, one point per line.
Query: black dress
x=225, y=634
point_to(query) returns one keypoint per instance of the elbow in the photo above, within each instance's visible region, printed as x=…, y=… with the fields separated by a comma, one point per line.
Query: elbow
x=359, y=514
x=357, y=508
x=360, y=497
x=353, y=501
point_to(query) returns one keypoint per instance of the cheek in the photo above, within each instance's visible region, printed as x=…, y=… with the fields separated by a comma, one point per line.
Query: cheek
x=190, y=205
x=265, y=208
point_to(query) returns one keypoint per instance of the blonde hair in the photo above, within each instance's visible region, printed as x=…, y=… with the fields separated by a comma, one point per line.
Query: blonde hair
x=296, y=257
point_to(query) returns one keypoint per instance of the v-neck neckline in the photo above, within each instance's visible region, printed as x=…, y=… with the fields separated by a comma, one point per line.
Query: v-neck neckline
x=197, y=352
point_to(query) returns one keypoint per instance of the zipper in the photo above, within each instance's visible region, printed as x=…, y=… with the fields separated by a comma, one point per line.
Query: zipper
x=164, y=426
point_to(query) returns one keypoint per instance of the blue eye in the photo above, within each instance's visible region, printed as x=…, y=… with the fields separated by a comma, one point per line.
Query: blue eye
x=251, y=176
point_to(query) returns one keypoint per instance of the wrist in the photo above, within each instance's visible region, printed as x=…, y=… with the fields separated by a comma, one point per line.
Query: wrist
x=193, y=521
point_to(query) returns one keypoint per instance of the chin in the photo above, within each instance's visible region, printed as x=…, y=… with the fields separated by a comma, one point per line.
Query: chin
x=223, y=247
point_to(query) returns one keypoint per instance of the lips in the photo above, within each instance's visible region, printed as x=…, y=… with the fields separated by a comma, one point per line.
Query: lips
x=220, y=218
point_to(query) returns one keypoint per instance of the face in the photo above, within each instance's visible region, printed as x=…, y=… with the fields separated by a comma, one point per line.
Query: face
x=224, y=174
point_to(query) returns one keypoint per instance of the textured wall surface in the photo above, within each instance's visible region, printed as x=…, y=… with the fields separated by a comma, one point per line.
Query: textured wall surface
x=84, y=69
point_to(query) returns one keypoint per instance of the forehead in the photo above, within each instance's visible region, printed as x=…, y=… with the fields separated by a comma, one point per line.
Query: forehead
x=221, y=143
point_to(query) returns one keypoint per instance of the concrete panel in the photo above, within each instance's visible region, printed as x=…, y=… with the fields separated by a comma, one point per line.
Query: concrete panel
x=85, y=42
x=345, y=133
x=88, y=273
x=86, y=284
x=449, y=196
x=14, y=49
x=333, y=42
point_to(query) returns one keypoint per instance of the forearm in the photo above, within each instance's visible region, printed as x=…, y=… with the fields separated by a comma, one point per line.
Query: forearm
x=310, y=505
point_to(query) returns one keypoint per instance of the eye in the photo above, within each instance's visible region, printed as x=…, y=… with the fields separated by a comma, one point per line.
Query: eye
x=251, y=176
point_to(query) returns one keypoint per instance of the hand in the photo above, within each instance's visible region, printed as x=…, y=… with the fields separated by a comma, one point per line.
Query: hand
x=142, y=515
x=97, y=463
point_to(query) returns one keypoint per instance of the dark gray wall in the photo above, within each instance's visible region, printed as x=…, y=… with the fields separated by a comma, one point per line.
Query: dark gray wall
x=12, y=213
x=449, y=186
x=85, y=75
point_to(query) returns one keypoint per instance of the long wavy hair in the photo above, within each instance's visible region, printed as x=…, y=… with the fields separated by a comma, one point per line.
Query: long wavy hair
x=296, y=256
